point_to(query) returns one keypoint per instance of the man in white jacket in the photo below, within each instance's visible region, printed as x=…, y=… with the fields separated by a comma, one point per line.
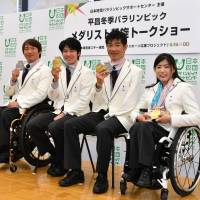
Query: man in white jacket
x=27, y=88
x=71, y=91
x=116, y=94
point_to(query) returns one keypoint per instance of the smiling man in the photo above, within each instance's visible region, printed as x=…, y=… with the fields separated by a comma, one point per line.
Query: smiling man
x=27, y=88
x=71, y=91
x=116, y=94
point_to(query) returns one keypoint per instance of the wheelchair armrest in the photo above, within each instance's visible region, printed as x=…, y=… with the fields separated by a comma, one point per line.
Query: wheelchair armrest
x=169, y=138
x=125, y=135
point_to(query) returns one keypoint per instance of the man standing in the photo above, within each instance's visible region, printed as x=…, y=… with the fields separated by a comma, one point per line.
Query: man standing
x=116, y=95
x=27, y=88
x=71, y=91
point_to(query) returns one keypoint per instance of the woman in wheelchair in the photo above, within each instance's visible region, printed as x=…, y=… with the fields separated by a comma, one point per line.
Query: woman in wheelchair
x=159, y=110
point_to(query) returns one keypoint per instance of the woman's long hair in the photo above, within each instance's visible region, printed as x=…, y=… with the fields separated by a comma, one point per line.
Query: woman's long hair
x=170, y=59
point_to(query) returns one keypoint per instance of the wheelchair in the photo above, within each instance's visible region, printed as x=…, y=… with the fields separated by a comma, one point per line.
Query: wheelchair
x=177, y=158
x=21, y=144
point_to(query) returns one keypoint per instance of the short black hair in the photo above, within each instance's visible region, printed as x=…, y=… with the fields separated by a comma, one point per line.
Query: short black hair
x=34, y=43
x=116, y=34
x=71, y=43
x=170, y=59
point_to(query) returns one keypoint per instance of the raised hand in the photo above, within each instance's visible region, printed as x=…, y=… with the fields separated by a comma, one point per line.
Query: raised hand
x=15, y=74
x=55, y=73
x=100, y=76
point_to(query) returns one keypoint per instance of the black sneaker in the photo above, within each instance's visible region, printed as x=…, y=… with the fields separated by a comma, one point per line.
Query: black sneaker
x=56, y=170
x=73, y=177
x=51, y=168
x=101, y=184
x=145, y=178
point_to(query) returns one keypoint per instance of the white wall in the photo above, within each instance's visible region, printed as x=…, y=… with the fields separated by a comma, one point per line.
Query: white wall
x=8, y=6
x=40, y=4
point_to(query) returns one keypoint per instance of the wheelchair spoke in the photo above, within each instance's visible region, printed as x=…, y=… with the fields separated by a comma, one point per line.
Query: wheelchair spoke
x=187, y=159
x=196, y=156
x=184, y=169
x=188, y=174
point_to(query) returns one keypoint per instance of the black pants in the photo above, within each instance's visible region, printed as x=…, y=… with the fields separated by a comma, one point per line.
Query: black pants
x=143, y=138
x=7, y=115
x=56, y=129
x=91, y=123
x=37, y=128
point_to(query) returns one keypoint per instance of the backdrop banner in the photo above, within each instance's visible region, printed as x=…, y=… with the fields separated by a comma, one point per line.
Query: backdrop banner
x=152, y=28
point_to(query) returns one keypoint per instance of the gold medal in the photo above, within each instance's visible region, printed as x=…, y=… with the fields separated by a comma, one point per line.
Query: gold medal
x=57, y=62
x=155, y=113
x=100, y=68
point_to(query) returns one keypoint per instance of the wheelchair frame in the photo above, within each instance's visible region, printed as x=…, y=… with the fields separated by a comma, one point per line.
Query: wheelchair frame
x=20, y=140
x=13, y=144
x=182, y=151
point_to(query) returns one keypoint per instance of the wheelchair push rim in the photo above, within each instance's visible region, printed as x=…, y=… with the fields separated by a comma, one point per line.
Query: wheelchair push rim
x=13, y=141
x=185, y=160
x=30, y=150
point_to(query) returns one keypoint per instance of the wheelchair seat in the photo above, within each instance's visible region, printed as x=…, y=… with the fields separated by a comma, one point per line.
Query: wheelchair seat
x=177, y=158
x=21, y=144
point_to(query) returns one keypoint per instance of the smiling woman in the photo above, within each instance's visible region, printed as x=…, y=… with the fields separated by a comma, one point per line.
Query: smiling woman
x=166, y=100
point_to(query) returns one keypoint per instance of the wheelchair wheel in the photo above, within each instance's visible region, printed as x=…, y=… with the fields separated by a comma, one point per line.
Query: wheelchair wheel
x=185, y=160
x=14, y=143
x=29, y=149
x=13, y=167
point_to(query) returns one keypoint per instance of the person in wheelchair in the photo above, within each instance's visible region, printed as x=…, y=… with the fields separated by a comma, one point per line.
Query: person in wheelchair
x=71, y=91
x=27, y=88
x=162, y=105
